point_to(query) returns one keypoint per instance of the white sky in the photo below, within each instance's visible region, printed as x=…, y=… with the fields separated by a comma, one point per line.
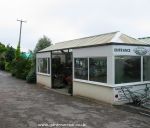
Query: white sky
x=62, y=20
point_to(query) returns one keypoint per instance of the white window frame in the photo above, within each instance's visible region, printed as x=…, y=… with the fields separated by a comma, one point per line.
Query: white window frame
x=143, y=71
x=89, y=81
x=39, y=68
x=130, y=83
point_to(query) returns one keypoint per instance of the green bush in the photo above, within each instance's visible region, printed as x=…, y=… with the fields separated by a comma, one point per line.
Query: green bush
x=13, y=71
x=2, y=65
x=8, y=66
x=21, y=68
x=31, y=77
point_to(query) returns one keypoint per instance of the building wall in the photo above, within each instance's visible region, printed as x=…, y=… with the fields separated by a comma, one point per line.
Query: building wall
x=95, y=90
x=43, y=54
x=124, y=96
x=109, y=92
x=99, y=51
x=44, y=80
x=102, y=93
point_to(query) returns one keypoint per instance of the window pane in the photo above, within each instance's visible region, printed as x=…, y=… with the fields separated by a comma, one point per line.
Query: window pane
x=81, y=68
x=127, y=69
x=146, y=68
x=43, y=65
x=98, y=69
x=38, y=64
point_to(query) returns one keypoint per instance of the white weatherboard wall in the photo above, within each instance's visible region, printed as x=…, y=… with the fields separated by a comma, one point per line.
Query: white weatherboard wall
x=98, y=91
x=44, y=79
x=92, y=91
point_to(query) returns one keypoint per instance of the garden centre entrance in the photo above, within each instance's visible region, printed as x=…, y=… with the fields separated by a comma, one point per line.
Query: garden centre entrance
x=61, y=66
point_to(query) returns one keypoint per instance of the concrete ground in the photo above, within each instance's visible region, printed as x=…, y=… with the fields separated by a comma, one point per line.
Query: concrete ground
x=29, y=106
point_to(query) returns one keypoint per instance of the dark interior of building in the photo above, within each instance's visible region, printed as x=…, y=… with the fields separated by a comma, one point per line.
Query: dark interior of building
x=62, y=70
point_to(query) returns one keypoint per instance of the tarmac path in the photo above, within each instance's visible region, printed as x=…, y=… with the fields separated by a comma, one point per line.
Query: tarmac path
x=25, y=105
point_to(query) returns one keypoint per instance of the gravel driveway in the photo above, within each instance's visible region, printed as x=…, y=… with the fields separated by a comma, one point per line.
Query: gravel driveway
x=28, y=106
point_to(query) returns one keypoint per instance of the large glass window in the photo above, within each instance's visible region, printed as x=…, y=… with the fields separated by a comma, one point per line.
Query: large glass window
x=127, y=69
x=98, y=69
x=81, y=68
x=146, y=68
x=44, y=65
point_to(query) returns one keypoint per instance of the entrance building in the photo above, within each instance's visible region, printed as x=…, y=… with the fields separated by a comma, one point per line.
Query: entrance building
x=106, y=67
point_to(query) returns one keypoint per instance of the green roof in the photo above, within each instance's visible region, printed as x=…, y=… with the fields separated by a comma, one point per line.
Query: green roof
x=26, y=55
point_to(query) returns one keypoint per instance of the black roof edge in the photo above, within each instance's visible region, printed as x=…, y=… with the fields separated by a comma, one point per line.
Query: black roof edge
x=106, y=44
x=143, y=37
x=114, y=43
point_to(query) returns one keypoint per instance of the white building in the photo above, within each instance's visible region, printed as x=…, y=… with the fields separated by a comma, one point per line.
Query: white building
x=103, y=67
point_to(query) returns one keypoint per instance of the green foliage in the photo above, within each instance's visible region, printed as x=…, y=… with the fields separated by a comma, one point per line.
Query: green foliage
x=9, y=57
x=8, y=66
x=2, y=48
x=7, y=54
x=17, y=55
x=2, y=64
x=21, y=68
x=42, y=43
x=10, y=54
x=2, y=56
x=12, y=61
x=20, y=65
x=31, y=77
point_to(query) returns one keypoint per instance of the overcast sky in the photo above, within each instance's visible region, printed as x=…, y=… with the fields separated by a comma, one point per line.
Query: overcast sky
x=62, y=20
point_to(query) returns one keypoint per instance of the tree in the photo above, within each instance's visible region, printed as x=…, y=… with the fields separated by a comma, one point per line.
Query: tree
x=9, y=57
x=2, y=56
x=10, y=54
x=41, y=44
x=2, y=50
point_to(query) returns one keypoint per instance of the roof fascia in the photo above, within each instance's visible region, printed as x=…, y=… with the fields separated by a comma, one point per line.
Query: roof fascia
x=106, y=44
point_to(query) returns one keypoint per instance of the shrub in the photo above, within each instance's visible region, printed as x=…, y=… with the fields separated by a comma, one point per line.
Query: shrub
x=8, y=66
x=2, y=65
x=31, y=77
x=21, y=68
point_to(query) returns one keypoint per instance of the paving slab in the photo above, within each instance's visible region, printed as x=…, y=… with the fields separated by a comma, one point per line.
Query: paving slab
x=25, y=105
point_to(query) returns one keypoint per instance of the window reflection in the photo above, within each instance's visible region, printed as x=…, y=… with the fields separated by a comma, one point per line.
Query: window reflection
x=127, y=69
x=44, y=65
x=98, y=69
x=81, y=68
x=146, y=68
